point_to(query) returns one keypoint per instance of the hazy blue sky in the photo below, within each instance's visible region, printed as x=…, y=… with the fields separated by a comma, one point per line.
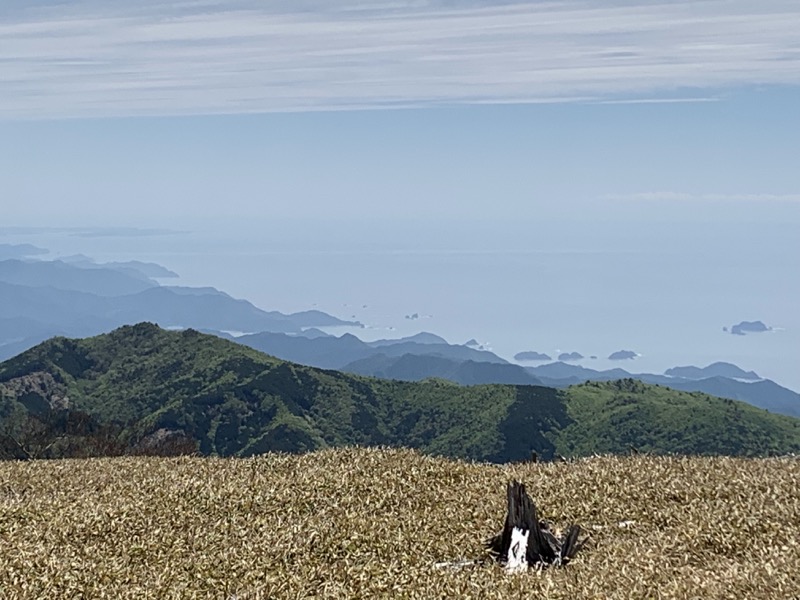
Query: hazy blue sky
x=135, y=112
x=466, y=162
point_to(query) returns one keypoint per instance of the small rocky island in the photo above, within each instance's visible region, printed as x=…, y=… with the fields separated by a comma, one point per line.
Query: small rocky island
x=531, y=355
x=745, y=327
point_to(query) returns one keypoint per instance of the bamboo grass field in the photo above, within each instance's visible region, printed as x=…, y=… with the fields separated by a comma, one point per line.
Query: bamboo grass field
x=374, y=523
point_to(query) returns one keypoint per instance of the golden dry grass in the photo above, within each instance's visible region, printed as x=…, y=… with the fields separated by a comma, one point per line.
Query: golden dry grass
x=362, y=523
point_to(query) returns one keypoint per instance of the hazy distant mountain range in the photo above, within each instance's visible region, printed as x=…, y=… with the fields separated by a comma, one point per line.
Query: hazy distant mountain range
x=77, y=297
x=427, y=355
x=331, y=352
x=416, y=367
x=719, y=379
x=41, y=299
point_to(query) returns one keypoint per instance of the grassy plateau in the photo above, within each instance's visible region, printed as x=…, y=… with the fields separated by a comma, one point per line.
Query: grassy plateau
x=374, y=523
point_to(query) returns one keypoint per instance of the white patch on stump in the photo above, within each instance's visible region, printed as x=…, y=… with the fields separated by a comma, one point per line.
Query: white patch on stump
x=517, y=550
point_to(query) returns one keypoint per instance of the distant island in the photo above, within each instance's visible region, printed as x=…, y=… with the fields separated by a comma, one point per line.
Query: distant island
x=622, y=355
x=566, y=356
x=717, y=369
x=20, y=251
x=531, y=355
x=746, y=327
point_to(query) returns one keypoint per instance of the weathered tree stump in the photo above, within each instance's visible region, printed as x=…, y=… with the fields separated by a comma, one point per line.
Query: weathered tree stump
x=527, y=541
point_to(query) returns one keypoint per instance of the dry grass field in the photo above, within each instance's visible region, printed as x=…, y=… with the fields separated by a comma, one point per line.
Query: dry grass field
x=363, y=523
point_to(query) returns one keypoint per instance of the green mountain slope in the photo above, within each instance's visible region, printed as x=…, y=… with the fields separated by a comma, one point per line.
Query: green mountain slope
x=651, y=418
x=233, y=400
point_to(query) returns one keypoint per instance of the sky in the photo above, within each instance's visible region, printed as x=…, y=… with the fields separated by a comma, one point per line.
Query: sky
x=733, y=158
x=108, y=58
x=119, y=112
x=565, y=125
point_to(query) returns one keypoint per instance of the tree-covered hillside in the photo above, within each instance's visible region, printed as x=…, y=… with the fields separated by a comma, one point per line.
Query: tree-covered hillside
x=227, y=399
x=607, y=416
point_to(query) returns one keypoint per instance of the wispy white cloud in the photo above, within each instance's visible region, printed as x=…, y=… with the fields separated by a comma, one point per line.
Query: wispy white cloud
x=665, y=196
x=679, y=100
x=88, y=58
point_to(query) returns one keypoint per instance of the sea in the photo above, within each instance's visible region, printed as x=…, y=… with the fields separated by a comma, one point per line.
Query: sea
x=665, y=290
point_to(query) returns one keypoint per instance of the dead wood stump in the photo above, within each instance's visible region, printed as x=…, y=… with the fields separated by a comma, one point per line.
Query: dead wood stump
x=526, y=541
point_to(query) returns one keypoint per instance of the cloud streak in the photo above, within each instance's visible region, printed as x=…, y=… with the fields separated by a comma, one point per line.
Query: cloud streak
x=91, y=58
x=665, y=196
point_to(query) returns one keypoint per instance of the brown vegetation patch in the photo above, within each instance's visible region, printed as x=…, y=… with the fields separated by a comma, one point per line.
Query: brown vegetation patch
x=361, y=523
x=39, y=386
